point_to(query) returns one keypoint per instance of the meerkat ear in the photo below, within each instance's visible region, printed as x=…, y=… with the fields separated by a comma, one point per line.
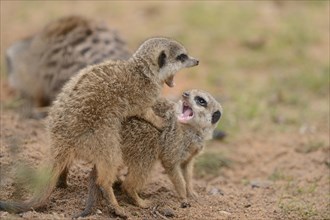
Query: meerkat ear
x=161, y=59
x=215, y=117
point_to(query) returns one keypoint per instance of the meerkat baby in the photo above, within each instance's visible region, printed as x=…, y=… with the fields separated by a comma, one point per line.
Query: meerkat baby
x=188, y=124
x=38, y=66
x=85, y=120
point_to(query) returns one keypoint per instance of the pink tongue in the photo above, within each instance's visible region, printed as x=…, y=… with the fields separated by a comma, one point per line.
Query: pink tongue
x=187, y=112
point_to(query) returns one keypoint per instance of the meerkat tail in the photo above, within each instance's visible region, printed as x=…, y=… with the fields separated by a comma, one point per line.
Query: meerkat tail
x=41, y=196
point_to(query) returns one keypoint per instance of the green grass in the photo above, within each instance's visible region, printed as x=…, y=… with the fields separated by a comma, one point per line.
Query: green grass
x=297, y=208
x=279, y=174
x=307, y=190
x=310, y=146
x=294, y=203
x=210, y=164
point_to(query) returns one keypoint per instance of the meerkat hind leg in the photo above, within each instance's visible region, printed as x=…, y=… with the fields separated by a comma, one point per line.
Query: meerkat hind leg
x=106, y=175
x=133, y=182
x=143, y=203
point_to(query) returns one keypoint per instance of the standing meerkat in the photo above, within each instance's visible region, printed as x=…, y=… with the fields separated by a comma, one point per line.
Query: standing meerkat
x=38, y=66
x=188, y=124
x=85, y=120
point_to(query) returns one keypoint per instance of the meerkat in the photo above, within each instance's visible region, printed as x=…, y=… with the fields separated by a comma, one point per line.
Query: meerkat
x=85, y=120
x=188, y=124
x=38, y=66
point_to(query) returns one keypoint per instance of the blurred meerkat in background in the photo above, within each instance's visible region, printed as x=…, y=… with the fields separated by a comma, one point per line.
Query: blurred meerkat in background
x=39, y=66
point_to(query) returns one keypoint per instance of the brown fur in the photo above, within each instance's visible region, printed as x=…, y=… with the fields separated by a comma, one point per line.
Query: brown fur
x=176, y=146
x=85, y=120
x=39, y=66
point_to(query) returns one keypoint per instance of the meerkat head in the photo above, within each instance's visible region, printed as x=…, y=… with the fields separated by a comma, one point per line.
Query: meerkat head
x=200, y=110
x=165, y=57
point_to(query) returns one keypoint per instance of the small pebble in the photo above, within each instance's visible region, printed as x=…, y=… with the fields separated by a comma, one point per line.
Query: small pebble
x=135, y=214
x=215, y=191
x=168, y=212
x=185, y=205
x=260, y=184
x=225, y=213
x=98, y=211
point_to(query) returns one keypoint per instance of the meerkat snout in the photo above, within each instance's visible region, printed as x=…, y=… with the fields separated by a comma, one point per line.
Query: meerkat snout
x=184, y=61
x=167, y=57
x=190, y=61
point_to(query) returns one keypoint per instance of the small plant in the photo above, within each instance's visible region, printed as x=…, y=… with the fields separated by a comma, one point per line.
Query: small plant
x=279, y=175
x=310, y=146
x=300, y=208
x=210, y=164
x=31, y=179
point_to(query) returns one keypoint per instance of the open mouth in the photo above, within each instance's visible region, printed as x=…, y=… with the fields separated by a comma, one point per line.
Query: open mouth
x=170, y=81
x=187, y=113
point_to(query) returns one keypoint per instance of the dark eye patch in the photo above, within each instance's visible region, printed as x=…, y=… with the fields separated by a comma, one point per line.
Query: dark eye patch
x=201, y=101
x=215, y=117
x=161, y=59
x=182, y=57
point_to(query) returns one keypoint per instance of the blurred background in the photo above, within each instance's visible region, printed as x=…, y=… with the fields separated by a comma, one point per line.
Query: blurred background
x=266, y=61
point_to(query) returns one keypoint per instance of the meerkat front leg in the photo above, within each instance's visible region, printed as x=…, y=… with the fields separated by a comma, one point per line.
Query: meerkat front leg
x=187, y=169
x=175, y=174
x=154, y=119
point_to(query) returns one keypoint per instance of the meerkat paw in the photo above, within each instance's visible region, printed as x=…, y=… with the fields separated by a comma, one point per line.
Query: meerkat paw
x=185, y=204
x=158, y=122
x=192, y=195
x=120, y=212
x=144, y=203
x=154, y=119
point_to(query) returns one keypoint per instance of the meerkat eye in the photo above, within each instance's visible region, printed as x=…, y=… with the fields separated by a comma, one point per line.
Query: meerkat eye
x=200, y=101
x=182, y=57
